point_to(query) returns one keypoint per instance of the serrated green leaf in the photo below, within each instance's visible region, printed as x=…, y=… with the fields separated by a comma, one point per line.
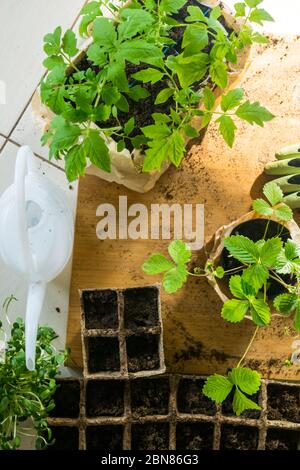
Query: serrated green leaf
x=195, y=39
x=174, y=279
x=248, y=290
x=148, y=75
x=232, y=99
x=254, y=113
x=235, y=286
x=189, y=69
x=75, y=163
x=180, y=252
x=283, y=212
x=259, y=38
x=256, y=275
x=253, y=3
x=234, y=310
x=242, y=248
x=217, y=388
x=96, y=54
x=134, y=21
x=176, y=148
x=65, y=136
x=190, y=131
x=260, y=312
x=54, y=61
x=137, y=51
x=209, y=98
x=97, y=151
x=69, y=43
x=240, y=9
x=291, y=250
x=262, y=207
x=104, y=33
x=171, y=6
x=259, y=15
x=270, y=251
x=164, y=95
x=241, y=403
x=227, y=129
x=248, y=380
x=285, y=303
x=101, y=113
x=129, y=126
x=138, y=93
x=273, y=193
x=156, y=131
x=218, y=73
x=157, y=263
x=52, y=42
x=91, y=7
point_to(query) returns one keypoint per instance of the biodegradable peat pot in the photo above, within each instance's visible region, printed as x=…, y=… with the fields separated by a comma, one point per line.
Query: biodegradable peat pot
x=122, y=333
x=244, y=227
x=126, y=165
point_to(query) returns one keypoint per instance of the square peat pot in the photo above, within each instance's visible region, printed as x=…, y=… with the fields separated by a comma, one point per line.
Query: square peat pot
x=283, y=402
x=150, y=436
x=67, y=398
x=190, y=399
x=122, y=332
x=65, y=438
x=239, y=437
x=194, y=436
x=150, y=396
x=104, y=437
x=104, y=397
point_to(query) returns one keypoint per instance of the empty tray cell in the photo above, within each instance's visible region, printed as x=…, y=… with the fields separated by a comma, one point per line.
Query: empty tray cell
x=100, y=309
x=66, y=438
x=190, y=398
x=150, y=436
x=143, y=352
x=141, y=307
x=103, y=354
x=105, y=398
x=251, y=414
x=67, y=399
x=150, y=397
x=238, y=437
x=194, y=436
x=106, y=437
x=282, y=439
x=284, y=402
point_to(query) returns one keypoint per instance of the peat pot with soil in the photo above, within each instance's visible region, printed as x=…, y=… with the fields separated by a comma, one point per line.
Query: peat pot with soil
x=254, y=267
x=147, y=79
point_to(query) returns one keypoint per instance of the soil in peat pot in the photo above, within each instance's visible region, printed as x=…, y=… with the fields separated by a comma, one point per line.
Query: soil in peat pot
x=284, y=403
x=103, y=354
x=282, y=439
x=66, y=438
x=150, y=436
x=141, y=308
x=100, y=309
x=104, y=437
x=150, y=397
x=191, y=400
x=238, y=437
x=143, y=109
x=105, y=398
x=143, y=352
x=194, y=436
x=255, y=230
x=67, y=399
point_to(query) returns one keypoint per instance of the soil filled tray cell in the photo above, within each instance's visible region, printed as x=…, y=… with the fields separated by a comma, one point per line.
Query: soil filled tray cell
x=67, y=399
x=143, y=353
x=141, y=308
x=150, y=436
x=106, y=437
x=251, y=414
x=65, y=438
x=284, y=403
x=238, y=437
x=150, y=397
x=191, y=400
x=101, y=309
x=103, y=354
x=194, y=436
x=104, y=398
x=282, y=439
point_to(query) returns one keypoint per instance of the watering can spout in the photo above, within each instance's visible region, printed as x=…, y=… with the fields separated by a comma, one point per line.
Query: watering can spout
x=35, y=300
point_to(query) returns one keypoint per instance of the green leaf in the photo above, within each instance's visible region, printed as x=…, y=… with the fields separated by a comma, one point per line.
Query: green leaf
x=134, y=21
x=54, y=61
x=122, y=104
x=254, y=113
x=101, y=113
x=241, y=248
x=190, y=131
x=195, y=39
x=218, y=73
x=91, y=7
x=232, y=99
x=260, y=312
x=189, y=69
x=241, y=403
x=171, y=6
x=240, y=9
x=291, y=250
x=180, y=252
x=234, y=310
x=174, y=279
x=297, y=318
x=253, y=3
x=156, y=131
x=219, y=272
x=270, y=251
x=4, y=404
x=217, y=388
x=273, y=193
x=52, y=42
x=148, y=75
x=75, y=163
x=259, y=15
x=129, y=126
x=209, y=98
x=235, y=286
x=137, y=51
x=117, y=75
x=104, y=33
x=195, y=14
x=262, y=207
x=65, y=136
x=259, y=38
x=283, y=212
x=138, y=93
x=111, y=95
x=69, y=43
x=157, y=263
x=96, y=54
x=164, y=95
x=256, y=275
x=227, y=129
x=176, y=148
x=285, y=303
x=97, y=151
x=248, y=380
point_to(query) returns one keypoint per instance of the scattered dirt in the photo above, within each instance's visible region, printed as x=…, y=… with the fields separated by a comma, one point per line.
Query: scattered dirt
x=282, y=439
x=105, y=398
x=67, y=398
x=141, y=308
x=283, y=403
x=150, y=397
x=143, y=352
x=194, y=436
x=101, y=309
x=150, y=436
x=190, y=398
x=238, y=437
x=104, y=437
x=103, y=354
x=66, y=438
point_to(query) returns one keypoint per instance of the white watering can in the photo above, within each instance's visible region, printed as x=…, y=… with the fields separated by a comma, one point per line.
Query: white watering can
x=36, y=236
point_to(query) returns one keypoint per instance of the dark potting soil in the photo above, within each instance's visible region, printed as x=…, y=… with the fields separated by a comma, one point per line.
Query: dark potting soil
x=190, y=398
x=66, y=438
x=150, y=436
x=108, y=437
x=150, y=397
x=228, y=411
x=238, y=437
x=67, y=399
x=100, y=309
x=103, y=354
x=255, y=230
x=283, y=403
x=143, y=352
x=141, y=308
x=282, y=439
x=194, y=436
x=105, y=398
